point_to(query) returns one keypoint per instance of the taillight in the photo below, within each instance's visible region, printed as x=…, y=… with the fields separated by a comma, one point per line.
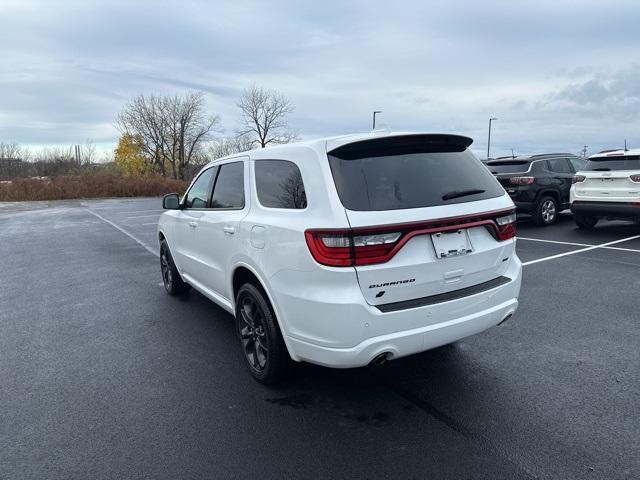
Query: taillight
x=578, y=179
x=506, y=226
x=522, y=180
x=370, y=245
x=343, y=248
x=635, y=178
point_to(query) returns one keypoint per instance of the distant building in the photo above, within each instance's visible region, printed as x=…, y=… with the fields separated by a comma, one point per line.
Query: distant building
x=10, y=168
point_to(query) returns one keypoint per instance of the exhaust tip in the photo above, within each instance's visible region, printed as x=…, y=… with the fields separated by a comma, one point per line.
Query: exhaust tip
x=509, y=315
x=380, y=359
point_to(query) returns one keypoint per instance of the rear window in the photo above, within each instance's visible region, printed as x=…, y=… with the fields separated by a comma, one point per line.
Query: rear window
x=629, y=162
x=279, y=184
x=514, y=166
x=397, y=176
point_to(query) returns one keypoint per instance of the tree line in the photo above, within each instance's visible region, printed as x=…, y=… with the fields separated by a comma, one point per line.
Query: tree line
x=173, y=135
x=170, y=135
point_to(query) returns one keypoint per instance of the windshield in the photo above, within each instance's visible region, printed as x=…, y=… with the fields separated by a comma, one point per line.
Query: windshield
x=411, y=180
x=629, y=162
x=512, y=166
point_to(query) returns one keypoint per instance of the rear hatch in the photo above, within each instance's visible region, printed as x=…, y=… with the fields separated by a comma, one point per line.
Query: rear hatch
x=504, y=170
x=610, y=177
x=423, y=214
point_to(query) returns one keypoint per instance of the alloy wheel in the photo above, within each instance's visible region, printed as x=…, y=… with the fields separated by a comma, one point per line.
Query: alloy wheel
x=165, y=267
x=548, y=211
x=253, y=335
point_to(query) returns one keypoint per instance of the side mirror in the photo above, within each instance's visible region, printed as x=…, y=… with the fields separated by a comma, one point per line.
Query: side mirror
x=171, y=201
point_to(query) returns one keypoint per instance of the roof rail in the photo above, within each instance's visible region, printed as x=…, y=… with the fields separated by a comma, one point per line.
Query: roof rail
x=610, y=150
x=541, y=155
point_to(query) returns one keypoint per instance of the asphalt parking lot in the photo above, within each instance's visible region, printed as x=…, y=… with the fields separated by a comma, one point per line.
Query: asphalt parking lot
x=102, y=375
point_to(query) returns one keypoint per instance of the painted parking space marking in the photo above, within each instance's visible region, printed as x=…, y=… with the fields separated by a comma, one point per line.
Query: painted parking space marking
x=580, y=250
x=156, y=215
x=622, y=249
x=127, y=233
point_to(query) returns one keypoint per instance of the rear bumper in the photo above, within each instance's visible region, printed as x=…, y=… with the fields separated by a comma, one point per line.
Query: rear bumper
x=405, y=343
x=607, y=209
x=335, y=327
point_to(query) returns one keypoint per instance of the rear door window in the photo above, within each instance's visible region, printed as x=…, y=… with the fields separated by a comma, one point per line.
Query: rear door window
x=401, y=176
x=627, y=162
x=559, y=165
x=279, y=184
x=228, y=191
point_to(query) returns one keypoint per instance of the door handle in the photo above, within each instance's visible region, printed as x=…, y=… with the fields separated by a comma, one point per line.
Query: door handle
x=193, y=224
x=229, y=229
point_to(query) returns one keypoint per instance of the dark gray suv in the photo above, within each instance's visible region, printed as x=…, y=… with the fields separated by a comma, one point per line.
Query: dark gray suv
x=538, y=184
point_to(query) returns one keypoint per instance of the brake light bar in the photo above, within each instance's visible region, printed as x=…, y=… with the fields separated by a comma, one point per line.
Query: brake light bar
x=351, y=247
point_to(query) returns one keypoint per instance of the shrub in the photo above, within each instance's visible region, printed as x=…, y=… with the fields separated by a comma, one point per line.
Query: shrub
x=88, y=186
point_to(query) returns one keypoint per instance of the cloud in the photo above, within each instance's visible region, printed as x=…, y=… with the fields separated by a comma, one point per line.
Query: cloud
x=557, y=76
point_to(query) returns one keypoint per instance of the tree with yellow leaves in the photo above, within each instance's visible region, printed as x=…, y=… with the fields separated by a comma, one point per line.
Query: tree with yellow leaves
x=129, y=156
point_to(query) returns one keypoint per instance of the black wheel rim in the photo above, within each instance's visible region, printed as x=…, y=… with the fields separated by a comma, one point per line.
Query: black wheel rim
x=253, y=335
x=166, y=269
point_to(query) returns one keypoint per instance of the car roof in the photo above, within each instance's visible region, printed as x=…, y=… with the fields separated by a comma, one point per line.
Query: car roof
x=617, y=153
x=327, y=144
x=529, y=158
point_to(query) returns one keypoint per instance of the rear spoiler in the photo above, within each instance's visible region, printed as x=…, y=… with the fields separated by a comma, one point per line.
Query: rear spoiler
x=402, y=145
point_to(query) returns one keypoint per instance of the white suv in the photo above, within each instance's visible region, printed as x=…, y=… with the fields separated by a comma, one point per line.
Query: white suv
x=346, y=251
x=607, y=187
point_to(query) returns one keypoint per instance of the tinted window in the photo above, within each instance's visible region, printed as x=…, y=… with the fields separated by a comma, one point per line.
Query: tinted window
x=279, y=184
x=559, y=165
x=411, y=180
x=511, y=166
x=229, y=189
x=629, y=162
x=198, y=194
x=578, y=163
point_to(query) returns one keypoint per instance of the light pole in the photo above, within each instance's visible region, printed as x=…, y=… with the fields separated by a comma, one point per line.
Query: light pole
x=374, y=118
x=489, y=140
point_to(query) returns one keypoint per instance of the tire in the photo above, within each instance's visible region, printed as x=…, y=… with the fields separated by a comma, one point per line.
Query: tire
x=546, y=212
x=261, y=343
x=173, y=283
x=586, y=222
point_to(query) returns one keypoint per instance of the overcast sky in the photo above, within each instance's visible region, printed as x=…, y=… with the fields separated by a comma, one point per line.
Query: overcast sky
x=558, y=74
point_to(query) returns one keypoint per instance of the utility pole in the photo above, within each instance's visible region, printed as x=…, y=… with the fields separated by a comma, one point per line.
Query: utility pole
x=584, y=151
x=489, y=139
x=374, y=118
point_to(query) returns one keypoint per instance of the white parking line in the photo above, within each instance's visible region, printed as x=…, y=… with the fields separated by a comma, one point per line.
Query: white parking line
x=150, y=223
x=580, y=250
x=579, y=244
x=157, y=215
x=128, y=234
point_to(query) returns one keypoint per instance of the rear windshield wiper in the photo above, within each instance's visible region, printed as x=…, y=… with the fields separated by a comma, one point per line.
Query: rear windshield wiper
x=461, y=193
x=601, y=169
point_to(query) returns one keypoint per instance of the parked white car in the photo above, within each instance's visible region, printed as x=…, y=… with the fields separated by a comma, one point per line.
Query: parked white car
x=607, y=187
x=346, y=251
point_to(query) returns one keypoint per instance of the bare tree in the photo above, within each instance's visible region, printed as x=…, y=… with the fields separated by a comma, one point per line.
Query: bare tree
x=264, y=116
x=88, y=152
x=10, y=150
x=223, y=147
x=173, y=128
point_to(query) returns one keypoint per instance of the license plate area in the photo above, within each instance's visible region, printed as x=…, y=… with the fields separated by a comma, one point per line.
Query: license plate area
x=451, y=244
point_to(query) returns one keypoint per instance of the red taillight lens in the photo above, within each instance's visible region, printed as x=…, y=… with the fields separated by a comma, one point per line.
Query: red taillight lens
x=332, y=248
x=341, y=248
x=578, y=179
x=371, y=245
x=635, y=178
x=522, y=180
x=506, y=226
